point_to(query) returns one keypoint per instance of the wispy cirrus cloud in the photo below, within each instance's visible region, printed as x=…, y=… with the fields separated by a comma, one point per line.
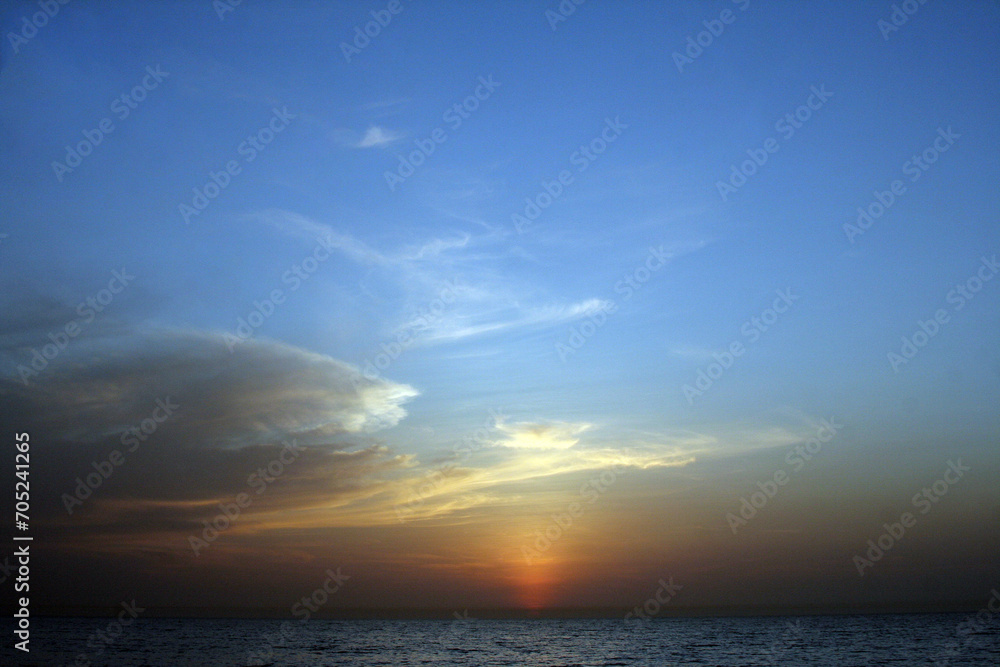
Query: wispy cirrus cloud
x=465, y=264
x=506, y=317
x=308, y=229
x=386, y=107
x=312, y=231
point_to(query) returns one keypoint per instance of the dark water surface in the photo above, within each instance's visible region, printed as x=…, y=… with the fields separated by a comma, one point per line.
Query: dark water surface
x=914, y=639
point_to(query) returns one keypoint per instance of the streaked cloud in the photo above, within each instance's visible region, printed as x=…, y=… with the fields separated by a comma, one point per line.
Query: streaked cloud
x=469, y=323
x=463, y=263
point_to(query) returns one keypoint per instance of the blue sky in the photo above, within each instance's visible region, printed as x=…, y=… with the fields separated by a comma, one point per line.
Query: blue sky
x=514, y=296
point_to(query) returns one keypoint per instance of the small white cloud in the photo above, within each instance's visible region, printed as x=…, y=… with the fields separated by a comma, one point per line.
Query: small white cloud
x=377, y=136
x=557, y=435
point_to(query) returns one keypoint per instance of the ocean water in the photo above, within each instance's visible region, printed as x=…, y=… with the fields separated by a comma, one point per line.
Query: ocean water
x=903, y=640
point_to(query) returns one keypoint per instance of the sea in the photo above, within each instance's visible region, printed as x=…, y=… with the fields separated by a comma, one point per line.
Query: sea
x=844, y=641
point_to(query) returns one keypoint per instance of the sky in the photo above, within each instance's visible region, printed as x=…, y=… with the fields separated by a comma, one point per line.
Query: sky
x=518, y=305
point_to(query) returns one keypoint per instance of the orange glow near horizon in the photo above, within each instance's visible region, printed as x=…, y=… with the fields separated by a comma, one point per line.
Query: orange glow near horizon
x=535, y=585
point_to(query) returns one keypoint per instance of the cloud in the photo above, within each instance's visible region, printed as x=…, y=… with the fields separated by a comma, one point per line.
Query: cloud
x=461, y=325
x=434, y=248
x=386, y=107
x=164, y=494
x=311, y=231
x=456, y=265
x=228, y=416
x=251, y=395
x=377, y=136
x=505, y=471
x=525, y=435
x=236, y=413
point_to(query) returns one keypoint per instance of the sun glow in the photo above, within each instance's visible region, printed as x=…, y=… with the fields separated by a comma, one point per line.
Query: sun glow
x=535, y=584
